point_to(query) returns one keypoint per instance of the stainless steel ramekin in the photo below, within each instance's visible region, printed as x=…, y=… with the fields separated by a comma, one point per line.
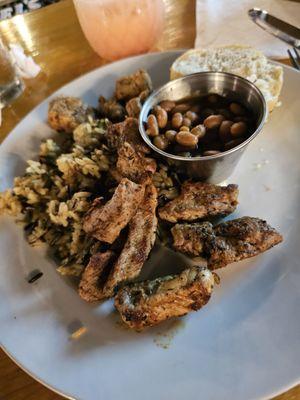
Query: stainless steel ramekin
x=218, y=167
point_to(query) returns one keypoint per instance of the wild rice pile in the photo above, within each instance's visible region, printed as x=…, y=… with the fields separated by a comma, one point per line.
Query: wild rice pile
x=57, y=190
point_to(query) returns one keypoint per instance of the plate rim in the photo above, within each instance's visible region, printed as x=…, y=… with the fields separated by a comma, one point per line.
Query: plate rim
x=33, y=110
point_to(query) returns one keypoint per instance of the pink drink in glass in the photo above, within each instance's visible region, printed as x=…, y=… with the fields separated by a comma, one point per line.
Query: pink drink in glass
x=119, y=28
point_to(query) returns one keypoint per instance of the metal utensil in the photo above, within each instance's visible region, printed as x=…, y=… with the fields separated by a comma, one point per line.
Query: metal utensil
x=276, y=27
x=295, y=59
x=218, y=167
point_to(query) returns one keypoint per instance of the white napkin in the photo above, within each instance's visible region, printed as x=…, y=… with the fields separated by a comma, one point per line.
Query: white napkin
x=222, y=22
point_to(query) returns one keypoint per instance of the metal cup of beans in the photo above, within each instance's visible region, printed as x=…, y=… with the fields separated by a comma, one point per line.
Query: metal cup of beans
x=203, y=122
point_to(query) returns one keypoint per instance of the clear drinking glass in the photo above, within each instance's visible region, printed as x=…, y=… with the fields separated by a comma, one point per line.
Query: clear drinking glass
x=119, y=28
x=11, y=85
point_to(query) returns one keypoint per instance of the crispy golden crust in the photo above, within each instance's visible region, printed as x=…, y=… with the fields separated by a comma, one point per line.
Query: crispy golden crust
x=133, y=85
x=200, y=200
x=151, y=302
x=190, y=238
x=126, y=131
x=94, y=276
x=106, y=222
x=141, y=238
x=239, y=239
x=66, y=113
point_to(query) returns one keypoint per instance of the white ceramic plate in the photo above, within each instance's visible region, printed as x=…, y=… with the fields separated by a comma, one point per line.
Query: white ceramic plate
x=245, y=344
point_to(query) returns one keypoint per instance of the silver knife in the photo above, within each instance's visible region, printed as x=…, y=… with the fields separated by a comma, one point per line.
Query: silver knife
x=281, y=29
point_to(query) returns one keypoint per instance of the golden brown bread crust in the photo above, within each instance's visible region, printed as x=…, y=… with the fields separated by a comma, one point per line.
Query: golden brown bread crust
x=200, y=200
x=65, y=113
x=151, y=302
x=106, y=222
x=94, y=276
x=141, y=238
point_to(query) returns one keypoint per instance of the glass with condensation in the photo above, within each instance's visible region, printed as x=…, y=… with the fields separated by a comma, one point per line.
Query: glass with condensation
x=120, y=28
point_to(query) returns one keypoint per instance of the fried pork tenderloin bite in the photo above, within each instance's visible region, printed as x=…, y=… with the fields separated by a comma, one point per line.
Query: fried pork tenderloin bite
x=65, y=113
x=151, y=302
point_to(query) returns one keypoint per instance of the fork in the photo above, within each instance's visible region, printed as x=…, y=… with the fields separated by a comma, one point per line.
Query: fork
x=295, y=59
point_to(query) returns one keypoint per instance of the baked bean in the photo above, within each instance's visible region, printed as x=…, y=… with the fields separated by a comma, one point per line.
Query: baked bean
x=224, y=131
x=152, y=126
x=213, y=98
x=238, y=129
x=186, y=122
x=177, y=119
x=199, y=131
x=213, y=121
x=167, y=105
x=170, y=135
x=186, y=139
x=161, y=116
x=184, y=128
x=192, y=116
x=181, y=108
x=211, y=152
x=161, y=142
x=236, y=109
x=233, y=143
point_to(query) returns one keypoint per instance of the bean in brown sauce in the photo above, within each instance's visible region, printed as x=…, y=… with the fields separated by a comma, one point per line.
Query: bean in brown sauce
x=161, y=142
x=177, y=119
x=161, y=116
x=199, y=131
x=192, y=116
x=170, y=135
x=184, y=128
x=213, y=121
x=224, y=131
x=186, y=139
x=238, y=129
x=152, y=126
x=201, y=126
x=181, y=108
x=186, y=122
x=236, y=109
x=167, y=105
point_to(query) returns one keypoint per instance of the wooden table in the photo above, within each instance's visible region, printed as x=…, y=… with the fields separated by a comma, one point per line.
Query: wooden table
x=53, y=36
